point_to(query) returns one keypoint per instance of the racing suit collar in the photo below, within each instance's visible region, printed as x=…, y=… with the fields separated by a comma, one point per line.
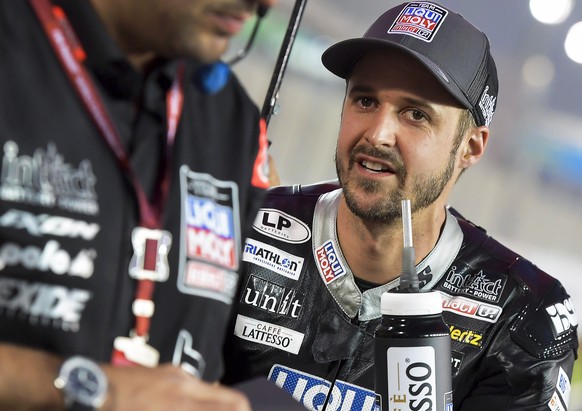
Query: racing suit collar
x=343, y=288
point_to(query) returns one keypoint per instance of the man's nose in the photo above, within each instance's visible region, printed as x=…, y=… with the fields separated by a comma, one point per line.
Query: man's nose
x=382, y=130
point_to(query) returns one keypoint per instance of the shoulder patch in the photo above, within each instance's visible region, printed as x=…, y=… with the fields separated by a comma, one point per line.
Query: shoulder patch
x=549, y=328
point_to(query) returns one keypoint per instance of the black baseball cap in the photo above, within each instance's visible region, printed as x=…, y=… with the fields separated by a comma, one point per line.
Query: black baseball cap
x=455, y=51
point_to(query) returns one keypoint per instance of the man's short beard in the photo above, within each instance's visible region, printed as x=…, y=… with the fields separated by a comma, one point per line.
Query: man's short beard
x=424, y=193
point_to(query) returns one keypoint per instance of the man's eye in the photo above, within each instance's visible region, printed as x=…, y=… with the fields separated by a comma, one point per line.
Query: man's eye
x=417, y=115
x=365, y=102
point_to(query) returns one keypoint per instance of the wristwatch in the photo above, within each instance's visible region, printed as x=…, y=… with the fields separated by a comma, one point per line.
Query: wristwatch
x=83, y=384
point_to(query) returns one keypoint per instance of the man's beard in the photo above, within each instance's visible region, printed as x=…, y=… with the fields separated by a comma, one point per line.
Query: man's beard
x=424, y=192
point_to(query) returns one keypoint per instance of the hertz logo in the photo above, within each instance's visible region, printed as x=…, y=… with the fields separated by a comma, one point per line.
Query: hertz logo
x=466, y=336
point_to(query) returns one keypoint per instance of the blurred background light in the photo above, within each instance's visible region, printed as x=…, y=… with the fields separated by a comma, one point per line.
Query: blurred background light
x=551, y=12
x=573, y=43
x=538, y=71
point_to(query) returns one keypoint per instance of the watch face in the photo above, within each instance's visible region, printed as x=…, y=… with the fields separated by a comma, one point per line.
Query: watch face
x=85, y=384
x=83, y=381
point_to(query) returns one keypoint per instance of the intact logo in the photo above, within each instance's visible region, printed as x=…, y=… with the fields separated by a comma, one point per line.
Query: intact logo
x=563, y=317
x=468, y=337
x=311, y=391
x=210, y=236
x=471, y=308
x=485, y=286
x=328, y=262
x=273, y=259
x=272, y=297
x=419, y=20
x=262, y=332
x=43, y=304
x=45, y=179
x=281, y=226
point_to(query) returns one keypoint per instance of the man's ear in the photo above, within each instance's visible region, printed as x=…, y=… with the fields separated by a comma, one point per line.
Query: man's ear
x=474, y=146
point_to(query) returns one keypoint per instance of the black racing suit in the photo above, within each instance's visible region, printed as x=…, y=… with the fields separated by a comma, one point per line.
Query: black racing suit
x=67, y=210
x=302, y=321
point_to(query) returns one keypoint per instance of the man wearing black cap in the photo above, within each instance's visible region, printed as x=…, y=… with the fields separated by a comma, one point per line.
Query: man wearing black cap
x=421, y=92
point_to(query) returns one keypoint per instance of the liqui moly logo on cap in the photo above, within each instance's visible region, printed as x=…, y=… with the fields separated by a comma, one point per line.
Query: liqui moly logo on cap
x=420, y=20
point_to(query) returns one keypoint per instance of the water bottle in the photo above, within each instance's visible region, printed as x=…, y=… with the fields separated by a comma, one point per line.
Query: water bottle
x=412, y=362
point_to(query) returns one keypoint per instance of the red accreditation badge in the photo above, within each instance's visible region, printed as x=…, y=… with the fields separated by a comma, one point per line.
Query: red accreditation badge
x=134, y=351
x=150, y=254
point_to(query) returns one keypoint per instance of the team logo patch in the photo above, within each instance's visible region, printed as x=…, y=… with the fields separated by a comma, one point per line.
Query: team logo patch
x=281, y=226
x=471, y=308
x=272, y=297
x=487, y=105
x=328, y=262
x=210, y=236
x=272, y=258
x=265, y=333
x=563, y=317
x=481, y=285
x=43, y=178
x=311, y=391
x=419, y=20
x=464, y=336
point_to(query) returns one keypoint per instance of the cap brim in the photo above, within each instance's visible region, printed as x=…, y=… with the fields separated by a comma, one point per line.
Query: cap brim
x=341, y=58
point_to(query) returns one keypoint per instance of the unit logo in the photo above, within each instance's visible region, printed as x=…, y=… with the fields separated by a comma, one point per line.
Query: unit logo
x=272, y=297
x=265, y=333
x=419, y=20
x=43, y=304
x=328, y=262
x=273, y=259
x=563, y=317
x=281, y=226
x=468, y=337
x=210, y=237
x=311, y=391
x=471, y=308
x=45, y=179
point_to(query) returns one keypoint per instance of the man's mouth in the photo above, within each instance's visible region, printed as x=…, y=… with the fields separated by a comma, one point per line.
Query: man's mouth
x=376, y=167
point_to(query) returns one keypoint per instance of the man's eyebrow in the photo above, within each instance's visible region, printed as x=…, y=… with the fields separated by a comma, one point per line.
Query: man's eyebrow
x=360, y=88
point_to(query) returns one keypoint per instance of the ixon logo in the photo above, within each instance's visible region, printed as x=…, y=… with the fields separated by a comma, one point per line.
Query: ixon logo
x=563, y=317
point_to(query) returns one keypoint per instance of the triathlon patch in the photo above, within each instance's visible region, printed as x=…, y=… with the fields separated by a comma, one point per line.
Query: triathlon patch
x=210, y=236
x=419, y=20
x=272, y=258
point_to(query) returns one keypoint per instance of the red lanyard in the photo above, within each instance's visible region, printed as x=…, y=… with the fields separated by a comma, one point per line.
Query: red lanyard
x=71, y=55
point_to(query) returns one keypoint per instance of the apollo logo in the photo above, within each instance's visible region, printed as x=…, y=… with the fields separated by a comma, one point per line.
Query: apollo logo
x=563, y=317
x=50, y=258
x=312, y=391
x=281, y=226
